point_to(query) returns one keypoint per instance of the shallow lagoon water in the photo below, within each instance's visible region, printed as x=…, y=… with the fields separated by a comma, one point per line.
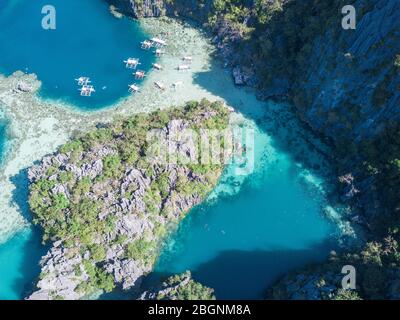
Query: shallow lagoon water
x=256, y=228
x=2, y=140
x=19, y=267
x=245, y=237
x=88, y=41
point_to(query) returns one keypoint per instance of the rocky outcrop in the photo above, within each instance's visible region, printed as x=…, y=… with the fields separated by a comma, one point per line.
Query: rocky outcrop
x=106, y=202
x=343, y=83
x=375, y=270
x=179, y=287
x=350, y=94
x=225, y=33
x=155, y=8
x=138, y=9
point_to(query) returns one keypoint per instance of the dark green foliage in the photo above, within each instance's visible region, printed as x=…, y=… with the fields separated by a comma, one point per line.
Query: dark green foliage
x=381, y=156
x=112, y=166
x=346, y=295
x=142, y=250
x=74, y=216
x=99, y=279
x=186, y=289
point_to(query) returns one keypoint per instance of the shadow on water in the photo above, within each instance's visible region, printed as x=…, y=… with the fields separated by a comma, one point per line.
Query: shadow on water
x=29, y=240
x=239, y=274
x=21, y=193
x=280, y=121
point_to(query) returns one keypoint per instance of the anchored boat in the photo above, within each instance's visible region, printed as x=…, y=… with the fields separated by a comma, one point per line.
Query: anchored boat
x=131, y=63
x=158, y=42
x=140, y=74
x=86, y=90
x=133, y=88
x=82, y=81
x=157, y=66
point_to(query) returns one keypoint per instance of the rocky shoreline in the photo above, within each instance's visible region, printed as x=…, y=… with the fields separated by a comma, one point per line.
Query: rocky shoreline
x=106, y=208
x=37, y=127
x=342, y=83
x=179, y=287
x=224, y=36
x=154, y=8
x=346, y=113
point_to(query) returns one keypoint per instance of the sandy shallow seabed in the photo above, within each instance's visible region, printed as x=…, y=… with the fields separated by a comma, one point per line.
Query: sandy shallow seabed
x=38, y=127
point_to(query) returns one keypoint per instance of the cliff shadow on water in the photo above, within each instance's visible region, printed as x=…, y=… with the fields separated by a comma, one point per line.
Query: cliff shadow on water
x=240, y=274
x=277, y=119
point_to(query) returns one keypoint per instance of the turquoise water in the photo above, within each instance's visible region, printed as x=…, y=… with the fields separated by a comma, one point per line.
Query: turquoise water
x=242, y=242
x=2, y=140
x=19, y=257
x=88, y=41
x=19, y=264
x=257, y=227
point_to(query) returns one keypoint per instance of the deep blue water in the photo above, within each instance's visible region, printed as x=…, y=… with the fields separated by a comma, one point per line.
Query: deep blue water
x=88, y=41
x=237, y=244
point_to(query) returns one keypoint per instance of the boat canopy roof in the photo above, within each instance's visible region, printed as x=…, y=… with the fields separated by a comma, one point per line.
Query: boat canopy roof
x=159, y=41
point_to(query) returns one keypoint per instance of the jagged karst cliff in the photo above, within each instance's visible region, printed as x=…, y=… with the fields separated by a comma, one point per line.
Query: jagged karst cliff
x=377, y=276
x=179, y=287
x=106, y=199
x=345, y=84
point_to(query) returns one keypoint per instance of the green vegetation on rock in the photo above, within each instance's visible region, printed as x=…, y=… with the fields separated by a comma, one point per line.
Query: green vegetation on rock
x=183, y=287
x=103, y=195
x=377, y=268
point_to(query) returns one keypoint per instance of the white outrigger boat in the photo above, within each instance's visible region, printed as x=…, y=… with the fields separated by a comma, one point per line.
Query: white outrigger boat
x=86, y=90
x=133, y=88
x=159, y=85
x=139, y=74
x=146, y=44
x=83, y=81
x=188, y=59
x=131, y=63
x=157, y=66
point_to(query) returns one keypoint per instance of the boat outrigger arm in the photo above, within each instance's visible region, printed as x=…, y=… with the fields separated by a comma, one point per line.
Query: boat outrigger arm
x=82, y=81
x=86, y=90
x=133, y=88
x=132, y=63
x=158, y=42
